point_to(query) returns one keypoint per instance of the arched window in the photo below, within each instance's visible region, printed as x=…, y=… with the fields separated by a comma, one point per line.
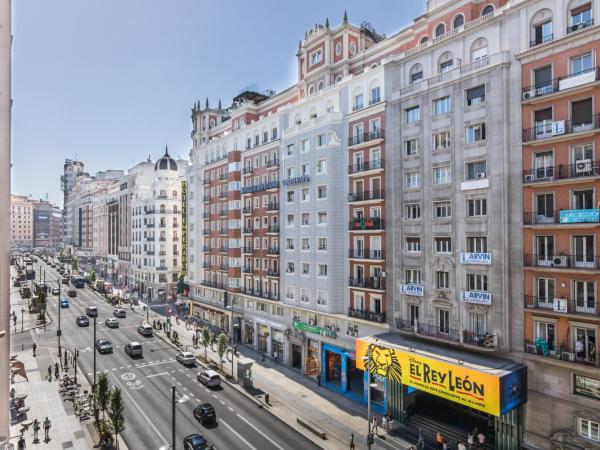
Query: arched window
x=458, y=21
x=374, y=92
x=541, y=27
x=479, y=50
x=338, y=79
x=321, y=85
x=487, y=10
x=446, y=62
x=424, y=40
x=440, y=30
x=311, y=89
x=329, y=107
x=416, y=74
x=312, y=113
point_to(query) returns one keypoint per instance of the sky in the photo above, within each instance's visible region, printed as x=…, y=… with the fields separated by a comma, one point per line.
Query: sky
x=110, y=82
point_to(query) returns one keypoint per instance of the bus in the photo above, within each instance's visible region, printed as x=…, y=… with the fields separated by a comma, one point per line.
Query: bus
x=78, y=282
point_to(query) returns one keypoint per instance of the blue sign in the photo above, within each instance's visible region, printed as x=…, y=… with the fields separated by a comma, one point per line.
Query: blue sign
x=580, y=215
x=477, y=297
x=412, y=289
x=476, y=258
x=260, y=187
x=295, y=180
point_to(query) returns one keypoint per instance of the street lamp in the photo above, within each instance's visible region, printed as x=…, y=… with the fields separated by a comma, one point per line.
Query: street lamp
x=58, y=332
x=174, y=401
x=94, y=346
x=22, y=314
x=367, y=360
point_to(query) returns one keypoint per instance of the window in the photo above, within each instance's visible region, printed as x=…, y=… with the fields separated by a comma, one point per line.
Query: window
x=358, y=101
x=476, y=207
x=443, y=317
x=475, y=133
x=289, y=292
x=322, y=166
x=477, y=244
x=289, y=243
x=476, y=95
x=412, y=115
x=542, y=32
x=322, y=270
x=589, y=429
x=290, y=220
x=290, y=196
x=475, y=170
x=305, y=194
x=321, y=297
x=581, y=63
x=290, y=267
x=442, y=175
x=411, y=147
x=581, y=17
x=413, y=244
x=441, y=105
x=322, y=243
x=322, y=218
x=305, y=219
x=375, y=95
x=316, y=57
x=412, y=276
x=442, y=280
x=443, y=244
x=305, y=146
x=487, y=10
x=305, y=269
x=441, y=140
x=321, y=140
x=416, y=77
x=277, y=310
x=412, y=211
x=442, y=210
x=322, y=192
x=477, y=282
x=458, y=21
x=446, y=66
x=440, y=30
x=412, y=179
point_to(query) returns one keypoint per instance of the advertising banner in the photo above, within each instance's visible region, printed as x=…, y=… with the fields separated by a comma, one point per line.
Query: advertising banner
x=412, y=289
x=476, y=297
x=579, y=216
x=493, y=394
x=476, y=258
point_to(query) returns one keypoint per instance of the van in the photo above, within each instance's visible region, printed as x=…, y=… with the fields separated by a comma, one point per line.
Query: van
x=91, y=311
x=133, y=349
x=145, y=329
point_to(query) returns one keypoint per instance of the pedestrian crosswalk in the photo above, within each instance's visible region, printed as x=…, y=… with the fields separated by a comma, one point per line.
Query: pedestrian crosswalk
x=151, y=341
x=138, y=366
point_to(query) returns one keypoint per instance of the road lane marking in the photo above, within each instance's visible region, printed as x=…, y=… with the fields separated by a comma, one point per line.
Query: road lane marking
x=230, y=408
x=214, y=396
x=157, y=374
x=239, y=436
x=222, y=402
x=259, y=431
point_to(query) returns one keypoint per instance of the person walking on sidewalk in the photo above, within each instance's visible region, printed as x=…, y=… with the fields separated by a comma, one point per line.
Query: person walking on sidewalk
x=56, y=371
x=384, y=423
x=36, y=429
x=50, y=373
x=352, y=446
x=47, y=426
x=374, y=428
x=34, y=346
x=21, y=443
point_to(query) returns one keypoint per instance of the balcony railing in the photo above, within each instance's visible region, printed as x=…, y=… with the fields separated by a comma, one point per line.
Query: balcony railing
x=367, y=282
x=206, y=248
x=248, y=250
x=246, y=210
x=366, y=195
x=272, y=273
x=565, y=306
x=247, y=170
x=206, y=265
x=563, y=352
x=366, y=166
x=558, y=128
x=150, y=252
x=223, y=212
x=366, y=137
x=542, y=40
x=564, y=217
x=247, y=269
x=207, y=198
x=223, y=231
x=162, y=239
x=149, y=211
x=273, y=206
x=248, y=230
x=272, y=163
x=212, y=284
x=206, y=231
x=223, y=176
x=366, y=223
x=206, y=215
x=223, y=248
x=580, y=26
x=161, y=268
x=260, y=293
x=207, y=180
x=162, y=253
x=561, y=83
x=273, y=229
x=367, y=254
x=224, y=267
x=367, y=315
x=570, y=262
x=582, y=168
x=150, y=225
x=273, y=251
x=468, y=337
x=223, y=194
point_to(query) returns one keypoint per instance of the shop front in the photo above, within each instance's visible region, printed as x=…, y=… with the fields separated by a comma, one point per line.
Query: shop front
x=311, y=363
x=451, y=387
x=202, y=315
x=277, y=340
x=263, y=337
x=248, y=332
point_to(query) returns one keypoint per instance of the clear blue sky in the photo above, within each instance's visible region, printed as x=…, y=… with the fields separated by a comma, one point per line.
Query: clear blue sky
x=110, y=81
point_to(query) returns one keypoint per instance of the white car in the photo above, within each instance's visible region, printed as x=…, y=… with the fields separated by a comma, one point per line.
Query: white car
x=209, y=378
x=111, y=322
x=186, y=358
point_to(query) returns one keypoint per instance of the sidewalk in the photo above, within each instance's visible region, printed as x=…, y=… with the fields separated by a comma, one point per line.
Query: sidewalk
x=44, y=401
x=293, y=396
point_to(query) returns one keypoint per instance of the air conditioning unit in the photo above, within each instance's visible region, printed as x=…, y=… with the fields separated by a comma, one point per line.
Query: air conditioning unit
x=311, y=322
x=529, y=178
x=528, y=94
x=481, y=175
x=560, y=261
x=567, y=356
x=576, y=26
x=530, y=348
x=583, y=166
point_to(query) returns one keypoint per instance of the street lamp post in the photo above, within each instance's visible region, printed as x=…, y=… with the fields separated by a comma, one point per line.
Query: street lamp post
x=173, y=400
x=367, y=366
x=22, y=314
x=58, y=332
x=94, y=346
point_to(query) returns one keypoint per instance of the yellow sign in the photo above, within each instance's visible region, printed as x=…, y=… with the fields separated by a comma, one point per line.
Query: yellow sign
x=453, y=382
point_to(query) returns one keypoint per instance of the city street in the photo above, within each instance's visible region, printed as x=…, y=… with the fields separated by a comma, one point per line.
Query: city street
x=146, y=383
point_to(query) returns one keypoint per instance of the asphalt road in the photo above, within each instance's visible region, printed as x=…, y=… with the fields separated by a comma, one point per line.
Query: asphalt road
x=146, y=382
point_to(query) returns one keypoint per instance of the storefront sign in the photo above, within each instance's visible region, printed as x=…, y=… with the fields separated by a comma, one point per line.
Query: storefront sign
x=366, y=223
x=314, y=329
x=579, y=216
x=477, y=297
x=183, y=228
x=590, y=387
x=295, y=180
x=476, y=258
x=260, y=187
x=494, y=394
x=412, y=289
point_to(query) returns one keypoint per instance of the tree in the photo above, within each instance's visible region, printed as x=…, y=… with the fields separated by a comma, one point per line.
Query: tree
x=93, y=276
x=205, y=339
x=74, y=265
x=221, y=347
x=116, y=413
x=102, y=394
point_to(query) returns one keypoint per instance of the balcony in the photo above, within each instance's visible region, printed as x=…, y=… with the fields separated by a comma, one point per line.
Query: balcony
x=162, y=225
x=374, y=100
x=212, y=284
x=563, y=306
x=562, y=217
x=367, y=254
x=206, y=231
x=580, y=169
x=247, y=269
x=377, y=283
x=175, y=239
x=365, y=137
x=162, y=268
x=206, y=215
x=272, y=273
x=207, y=198
x=150, y=238
x=223, y=230
x=206, y=248
x=223, y=176
x=273, y=229
x=224, y=267
x=273, y=251
x=207, y=180
x=149, y=211
x=150, y=252
x=162, y=253
x=248, y=230
x=247, y=170
x=223, y=249
x=562, y=352
x=150, y=225
x=273, y=206
x=569, y=262
x=223, y=194
x=366, y=223
x=366, y=166
x=260, y=293
x=367, y=315
x=542, y=40
x=247, y=210
x=366, y=196
x=223, y=212
x=248, y=250
x=560, y=128
x=560, y=84
x=272, y=163
x=357, y=106
x=580, y=26
x=485, y=340
x=162, y=239
x=206, y=265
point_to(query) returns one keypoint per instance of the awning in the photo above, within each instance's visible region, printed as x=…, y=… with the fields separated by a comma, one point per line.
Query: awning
x=487, y=383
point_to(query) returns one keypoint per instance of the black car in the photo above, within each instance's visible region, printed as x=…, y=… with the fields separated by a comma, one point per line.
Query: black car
x=205, y=413
x=82, y=321
x=196, y=442
x=104, y=346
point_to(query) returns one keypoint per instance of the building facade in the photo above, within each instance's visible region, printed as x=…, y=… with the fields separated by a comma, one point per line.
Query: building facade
x=21, y=221
x=46, y=224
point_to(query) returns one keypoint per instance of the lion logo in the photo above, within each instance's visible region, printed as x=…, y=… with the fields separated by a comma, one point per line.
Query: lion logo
x=384, y=363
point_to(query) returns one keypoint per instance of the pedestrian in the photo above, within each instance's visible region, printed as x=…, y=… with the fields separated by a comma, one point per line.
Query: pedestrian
x=461, y=446
x=56, y=371
x=470, y=441
x=579, y=349
x=390, y=421
x=21, y=443
x=318, y=378
x=384, y=423
x=444, y=444
x=263, y=357
x=374, y=427
x=438, y=441
x=36, y=429
x=34, y=348
x=14, y=320
x=47, y=426
x=352, y=446
x=481, y=440
x=50, y=373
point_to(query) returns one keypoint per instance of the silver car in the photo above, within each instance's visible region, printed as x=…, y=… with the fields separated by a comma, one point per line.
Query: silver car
x=111, y=322
x=186, y=358
x=209, y=378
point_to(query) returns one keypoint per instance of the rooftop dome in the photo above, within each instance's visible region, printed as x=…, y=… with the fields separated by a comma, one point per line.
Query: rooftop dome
x=166, y=162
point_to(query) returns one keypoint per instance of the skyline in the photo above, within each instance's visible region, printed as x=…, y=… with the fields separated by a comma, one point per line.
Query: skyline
x=96, y=81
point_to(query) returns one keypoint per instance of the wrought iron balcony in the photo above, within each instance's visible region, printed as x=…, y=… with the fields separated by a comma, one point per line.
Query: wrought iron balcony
x=366, y=223
x=247, y=170
x=367, y=254
x=365, y=166
x=247, y=269
x=246, y=210
x=562, y=351
x=273, y=206
x=584, y=306
x=366, y=137
x=580, y=26
x=559, y=128
x=367, y=282
x=272, y=273
x=582, y=168
x=273, y=229
x=273, y=251
x=567, y=262
x=564, y=217
x=366, y=195
x=367, y=315
x=273, y=163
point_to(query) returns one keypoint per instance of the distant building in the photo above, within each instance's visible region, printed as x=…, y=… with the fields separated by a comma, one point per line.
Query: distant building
x=21, y=221
x=72, y=170
x=46, y=224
